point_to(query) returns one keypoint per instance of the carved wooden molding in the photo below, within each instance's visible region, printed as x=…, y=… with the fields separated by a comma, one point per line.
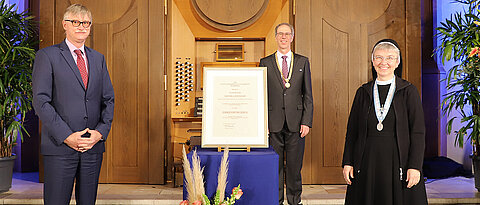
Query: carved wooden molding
x=230, y=15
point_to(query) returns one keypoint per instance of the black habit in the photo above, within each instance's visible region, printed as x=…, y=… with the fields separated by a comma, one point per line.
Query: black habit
x=381, y=159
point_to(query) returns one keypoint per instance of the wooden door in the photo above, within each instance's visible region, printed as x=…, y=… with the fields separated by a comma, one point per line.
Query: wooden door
x=337, y=36
x=130, y=33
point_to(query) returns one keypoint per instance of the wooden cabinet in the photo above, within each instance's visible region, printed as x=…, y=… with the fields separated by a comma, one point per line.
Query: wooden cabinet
x=182, y=129
x=230, y=52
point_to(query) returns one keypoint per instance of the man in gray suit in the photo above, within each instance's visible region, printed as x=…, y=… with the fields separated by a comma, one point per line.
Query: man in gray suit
x=73, y=97
x=290, y=110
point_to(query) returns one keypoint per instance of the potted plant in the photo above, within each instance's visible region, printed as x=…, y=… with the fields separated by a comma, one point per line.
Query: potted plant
x=17, y=43
x=460, y=37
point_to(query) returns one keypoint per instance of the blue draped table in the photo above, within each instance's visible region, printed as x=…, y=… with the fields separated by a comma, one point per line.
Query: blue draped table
x=256, y=172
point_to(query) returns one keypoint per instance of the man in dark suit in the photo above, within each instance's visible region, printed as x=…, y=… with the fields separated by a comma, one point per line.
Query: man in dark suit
x=290, y=110
x=73, y=97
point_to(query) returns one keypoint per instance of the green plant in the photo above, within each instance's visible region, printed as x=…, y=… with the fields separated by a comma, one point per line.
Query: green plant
x=17, y=43
x=460, y=37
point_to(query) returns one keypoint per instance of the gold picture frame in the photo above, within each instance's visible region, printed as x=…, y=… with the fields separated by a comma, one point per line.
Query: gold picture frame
x=235, y=107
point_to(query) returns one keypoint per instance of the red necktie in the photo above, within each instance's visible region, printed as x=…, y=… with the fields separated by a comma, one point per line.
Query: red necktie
x=284, y=68
x=81, y=66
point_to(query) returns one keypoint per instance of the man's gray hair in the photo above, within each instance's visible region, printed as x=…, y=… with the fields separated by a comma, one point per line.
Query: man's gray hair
x=285, y=24
x=76, y=10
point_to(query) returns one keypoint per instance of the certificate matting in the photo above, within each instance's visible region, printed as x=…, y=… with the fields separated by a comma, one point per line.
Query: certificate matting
x=234, y=107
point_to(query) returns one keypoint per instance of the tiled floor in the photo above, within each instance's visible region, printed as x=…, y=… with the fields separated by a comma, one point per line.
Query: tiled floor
x=26, y=190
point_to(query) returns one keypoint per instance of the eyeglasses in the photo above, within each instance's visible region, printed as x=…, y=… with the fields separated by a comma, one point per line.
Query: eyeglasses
x=284, y=34
x=388, y=59
x=76, y=23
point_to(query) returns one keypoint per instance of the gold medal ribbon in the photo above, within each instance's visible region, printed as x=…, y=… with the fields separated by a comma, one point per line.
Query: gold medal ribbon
x=287, y=83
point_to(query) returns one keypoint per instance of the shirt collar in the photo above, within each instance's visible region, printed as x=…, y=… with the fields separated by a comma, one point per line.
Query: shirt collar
x=289, y=54
x=71, y=47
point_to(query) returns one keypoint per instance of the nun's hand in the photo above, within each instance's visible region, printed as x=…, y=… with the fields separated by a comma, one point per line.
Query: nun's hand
x=348, y=173
x=413, y=177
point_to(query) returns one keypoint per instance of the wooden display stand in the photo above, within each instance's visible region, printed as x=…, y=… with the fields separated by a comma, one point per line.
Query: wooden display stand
x=220, y=149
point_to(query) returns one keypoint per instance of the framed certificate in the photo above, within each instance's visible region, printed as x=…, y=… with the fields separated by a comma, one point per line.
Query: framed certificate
x=234, y=107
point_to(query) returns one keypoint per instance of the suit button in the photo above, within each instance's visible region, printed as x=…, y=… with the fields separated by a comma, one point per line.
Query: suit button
x=284, y=93
x=85, y=118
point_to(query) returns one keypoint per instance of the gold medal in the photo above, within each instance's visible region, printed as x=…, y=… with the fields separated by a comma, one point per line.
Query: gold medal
x=287, y=84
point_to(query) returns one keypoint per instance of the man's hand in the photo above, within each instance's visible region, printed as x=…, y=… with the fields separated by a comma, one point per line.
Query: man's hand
x=413, y=177
x=304, y=130
x=73, y=139
x=84, y=144
x=348, y=173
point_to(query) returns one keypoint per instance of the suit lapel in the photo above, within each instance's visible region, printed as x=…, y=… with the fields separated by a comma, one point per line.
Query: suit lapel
x=295, y=65
x=90, y=69
x=69, y=58
x=276, y=70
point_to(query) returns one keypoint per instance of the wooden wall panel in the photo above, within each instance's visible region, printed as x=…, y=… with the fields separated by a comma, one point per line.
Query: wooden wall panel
x=338, y=37
x=116, y=9
x=303, y=37
x=413, y=44
x=129, y=76
x=46, y=35
x=126, y=123
x=130, y=33
x=335, y=82
x=156, y=92
x=430, y=85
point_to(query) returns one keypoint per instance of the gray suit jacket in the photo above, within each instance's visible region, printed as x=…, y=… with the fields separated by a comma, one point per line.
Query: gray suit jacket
x=61, y=101
x=294, y=104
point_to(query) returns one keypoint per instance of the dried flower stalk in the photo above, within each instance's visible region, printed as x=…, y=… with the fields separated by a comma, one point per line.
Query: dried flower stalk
x=188, y=182
x=222, y=175
x=198, y=177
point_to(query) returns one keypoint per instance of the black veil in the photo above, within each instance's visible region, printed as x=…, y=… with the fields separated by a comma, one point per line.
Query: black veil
x=398, y=70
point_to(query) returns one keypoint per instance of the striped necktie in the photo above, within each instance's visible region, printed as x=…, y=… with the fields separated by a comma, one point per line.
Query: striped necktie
x=81, y=66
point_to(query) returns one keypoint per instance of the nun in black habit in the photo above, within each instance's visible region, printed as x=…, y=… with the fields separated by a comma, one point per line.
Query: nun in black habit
x=385, y=140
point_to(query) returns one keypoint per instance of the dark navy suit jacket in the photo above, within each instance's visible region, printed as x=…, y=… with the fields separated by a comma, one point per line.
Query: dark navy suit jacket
x=64, y=105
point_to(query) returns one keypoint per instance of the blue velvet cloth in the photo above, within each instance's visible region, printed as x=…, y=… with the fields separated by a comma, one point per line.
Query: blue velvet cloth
x=256, y=172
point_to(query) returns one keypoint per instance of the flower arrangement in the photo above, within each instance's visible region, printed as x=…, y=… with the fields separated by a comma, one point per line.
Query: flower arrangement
x=195, y=187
